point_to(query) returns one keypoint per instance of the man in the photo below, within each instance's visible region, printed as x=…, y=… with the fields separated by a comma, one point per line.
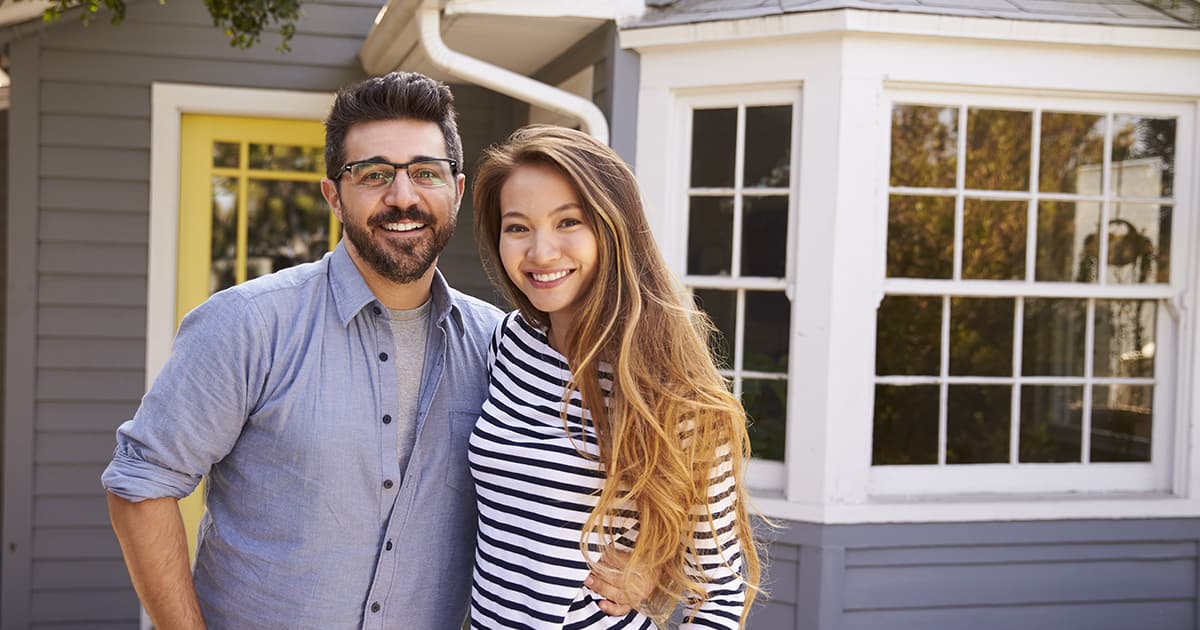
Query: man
x=329, y=406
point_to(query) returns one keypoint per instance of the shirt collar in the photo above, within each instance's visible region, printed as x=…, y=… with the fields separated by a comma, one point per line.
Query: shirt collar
x=351, y=293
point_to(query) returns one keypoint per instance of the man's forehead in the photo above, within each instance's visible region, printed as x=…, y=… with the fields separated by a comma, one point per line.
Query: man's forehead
x=396, y=139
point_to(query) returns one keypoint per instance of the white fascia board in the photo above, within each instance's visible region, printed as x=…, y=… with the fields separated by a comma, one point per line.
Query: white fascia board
x=595, y=9
x=895, y=23
x=391, y=39
x=16, y=12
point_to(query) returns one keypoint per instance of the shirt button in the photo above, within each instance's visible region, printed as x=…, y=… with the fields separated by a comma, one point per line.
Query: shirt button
x=378, y=311
x=387, y=483
x=387, y=419
x=374, y=606
x=383, y=356
x=388, y=546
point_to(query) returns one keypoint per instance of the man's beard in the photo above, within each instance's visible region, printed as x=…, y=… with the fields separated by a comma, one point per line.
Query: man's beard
x=405, y=263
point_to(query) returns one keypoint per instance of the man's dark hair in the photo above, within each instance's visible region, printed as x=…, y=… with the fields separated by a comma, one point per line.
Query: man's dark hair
x=393, y=96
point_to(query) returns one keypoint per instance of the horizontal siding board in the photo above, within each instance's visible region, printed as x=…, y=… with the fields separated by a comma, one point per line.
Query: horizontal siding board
x=55, y=575
x=89, y=606
x=74, y=226
x=100, y=384
x=111, y=322
x=1018, y=584
x=1004, y=554
x=77, y=353
x=92, y=415
x=769, y=614
x=75, y=130
x=781, y=579
x=128, y=101
x=75, y=289
x=72, y=511
x=75, y=448
x=93, y=258
x=349, y=18
x=1154, y=615
x=77, y=543
x=105, y=164
x=94, y=194
x=988, y=533
x=67, y=480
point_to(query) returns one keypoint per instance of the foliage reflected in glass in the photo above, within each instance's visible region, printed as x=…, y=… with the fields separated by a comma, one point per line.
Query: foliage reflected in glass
x=1051, y=424
x=282, y=157
x=920, y=240
x=998, y=149
x=1072, y=153
x=223, y=270
x=288, y=225
x=1124, y=338
x=908, y=336
x=714, y=147
x=978, y=424
x=768, y=147
x=768, y=316
x=710, y=242
x=981, y=336
x=906, y=425
x=225, y=154
x=924, y=146
x=764, y=236
x=994, y=239
x=1066, y=241
x=1143, y=156
x=766, y=406
x=1053, y=337
x=1122, y=421
x=1138, y=235
x=721, y=308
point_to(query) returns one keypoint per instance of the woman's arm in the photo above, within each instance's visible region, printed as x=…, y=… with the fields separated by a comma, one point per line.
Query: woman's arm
x=718, y=565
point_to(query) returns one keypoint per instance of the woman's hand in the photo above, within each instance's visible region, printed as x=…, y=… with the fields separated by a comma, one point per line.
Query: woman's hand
x=620, y=596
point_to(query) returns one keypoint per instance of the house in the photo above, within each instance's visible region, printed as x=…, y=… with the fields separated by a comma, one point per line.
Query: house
x=952, y=245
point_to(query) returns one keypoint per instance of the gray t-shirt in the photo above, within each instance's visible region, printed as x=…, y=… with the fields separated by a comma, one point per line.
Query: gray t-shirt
x=410, y=330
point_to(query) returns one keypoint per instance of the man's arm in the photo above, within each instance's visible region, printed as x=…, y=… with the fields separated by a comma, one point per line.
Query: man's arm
x=155, y=548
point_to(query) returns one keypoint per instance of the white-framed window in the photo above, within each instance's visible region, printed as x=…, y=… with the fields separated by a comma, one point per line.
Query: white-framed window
x=1026, y=337
x=739, y=196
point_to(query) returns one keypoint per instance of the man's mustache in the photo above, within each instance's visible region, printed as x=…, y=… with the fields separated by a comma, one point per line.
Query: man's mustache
x=401, y=215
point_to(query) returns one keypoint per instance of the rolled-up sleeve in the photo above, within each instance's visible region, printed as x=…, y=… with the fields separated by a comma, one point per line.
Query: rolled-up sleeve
x=197, y=406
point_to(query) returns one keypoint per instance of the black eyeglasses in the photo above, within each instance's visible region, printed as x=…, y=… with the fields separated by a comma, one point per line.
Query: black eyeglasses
x=425, y=172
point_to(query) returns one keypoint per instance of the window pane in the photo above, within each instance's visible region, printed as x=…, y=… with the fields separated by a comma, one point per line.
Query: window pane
x=998, y=149
x=994, y=239
x=1053, y=339
x=714, y=140
x=768, y=318
x=1051, y=426
x=768, y=146
x=924, y=146
x=223, y=271
x=1138, y=236
x=1124, y=338
x=1143, y=156
x=920, y=242
x=225, y=154
x=1066, y=241
x=1122, y=418
x=908, y=336
x=282, y=157
x=906, y=425
x=710, y=236
x=766, y=405
x=764, y=236
x=978, y=421
x=981, y=336
x=288, y=224
x=721, y=307
x=1072, y=153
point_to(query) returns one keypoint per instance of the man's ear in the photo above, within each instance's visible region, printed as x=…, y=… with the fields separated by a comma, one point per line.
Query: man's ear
x=329, y=190
x=461, y=182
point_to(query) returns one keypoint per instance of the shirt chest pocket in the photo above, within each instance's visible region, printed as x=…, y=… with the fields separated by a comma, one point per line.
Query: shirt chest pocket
x=457, y=470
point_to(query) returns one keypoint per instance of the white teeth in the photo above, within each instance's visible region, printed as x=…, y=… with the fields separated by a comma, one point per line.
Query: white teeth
x=550, y=277
x=402, y=227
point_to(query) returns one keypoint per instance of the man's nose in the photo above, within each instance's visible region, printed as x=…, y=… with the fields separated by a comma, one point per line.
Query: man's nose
x=401, y=193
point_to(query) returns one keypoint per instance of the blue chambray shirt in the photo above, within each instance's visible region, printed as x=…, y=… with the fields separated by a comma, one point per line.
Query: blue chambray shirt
x=279, y=390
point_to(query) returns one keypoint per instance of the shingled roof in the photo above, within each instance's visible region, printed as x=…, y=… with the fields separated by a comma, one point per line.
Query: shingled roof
x=1152, y=13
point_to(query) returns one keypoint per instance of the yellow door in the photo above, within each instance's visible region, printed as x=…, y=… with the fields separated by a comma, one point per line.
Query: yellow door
x=249, y=203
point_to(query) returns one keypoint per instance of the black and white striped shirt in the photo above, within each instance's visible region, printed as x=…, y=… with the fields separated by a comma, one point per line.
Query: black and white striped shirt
x=535, y=492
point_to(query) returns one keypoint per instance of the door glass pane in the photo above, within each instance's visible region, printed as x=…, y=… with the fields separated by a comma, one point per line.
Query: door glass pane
x=721, y=307
x=1067, y=248
x=908, y=336
x=764, y=236
x=1122, y=419
x=1143, y=156
x=766, y=405
x=981, y=336
x=768, y=314
x=714, y=146
x=924, y=146
x=225, y=154
x=1051, y=425
x=282, y=157
x=906, y=425
x=920, y=240
x=978, y=421
x=288, y=224
x=1138, y=236
x=998, y=149
x=223, y=268
x=994, y=239
x=1124, y=338
x=768, y=147
x=1053, y=337
x=710, y=236
x=1072, y=153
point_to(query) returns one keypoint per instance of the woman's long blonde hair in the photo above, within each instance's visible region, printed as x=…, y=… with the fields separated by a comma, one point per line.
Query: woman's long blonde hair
x=671, y=420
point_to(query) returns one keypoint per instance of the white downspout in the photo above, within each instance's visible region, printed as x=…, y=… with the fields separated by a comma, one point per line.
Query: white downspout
x=502, y=80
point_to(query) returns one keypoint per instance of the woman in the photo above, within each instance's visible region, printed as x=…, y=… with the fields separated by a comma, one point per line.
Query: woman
x=607, y=426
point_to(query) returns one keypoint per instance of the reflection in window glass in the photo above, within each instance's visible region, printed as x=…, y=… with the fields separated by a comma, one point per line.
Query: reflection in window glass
x=994, y=239
x=714, y=146
x=981, y=336
x=920, y=241
x=721, y=308
x=766, y=405
x=225, y=154
x=908, y=336
x=223, y=271
x=1143, y=156
x=288, y=224
x=1051, y=424
x=998, y=149
x=924, y=146
x=1072, y=153
x=768, y=147
x=906, y=425
x=1124, y=338
x=768, y=316
x=1053, y=337
x=710, y=236
x=978, y=422
x=1138, y=235
x=1067, y=247
x=764, y=236
x=1122, y=420
x=282, y=157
